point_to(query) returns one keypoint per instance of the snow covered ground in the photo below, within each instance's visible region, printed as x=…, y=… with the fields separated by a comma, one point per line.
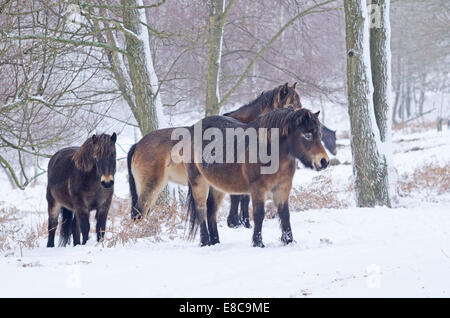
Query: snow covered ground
x=380, y=252
x=353, y=252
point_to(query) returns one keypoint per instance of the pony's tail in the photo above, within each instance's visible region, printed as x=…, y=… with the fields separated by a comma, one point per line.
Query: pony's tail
x=192, y=215
x=66, y=226
x=135, y=214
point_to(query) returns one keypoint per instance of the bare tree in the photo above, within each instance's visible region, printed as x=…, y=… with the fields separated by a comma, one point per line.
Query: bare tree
x=48, y=86
x=218, y=12
x=370, y=168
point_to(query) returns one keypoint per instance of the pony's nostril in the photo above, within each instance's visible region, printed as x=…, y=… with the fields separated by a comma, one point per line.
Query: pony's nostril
x=108, y=184
x=324, y=163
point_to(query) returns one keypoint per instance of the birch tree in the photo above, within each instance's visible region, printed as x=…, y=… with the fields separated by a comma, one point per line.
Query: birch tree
x=380, y=58
x=370, y=165
x=218, y=12
x=142, y=73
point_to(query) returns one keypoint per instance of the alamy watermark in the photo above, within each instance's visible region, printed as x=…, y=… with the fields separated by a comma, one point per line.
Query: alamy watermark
x=231, y=148
x=373, y=276
x=74, y=276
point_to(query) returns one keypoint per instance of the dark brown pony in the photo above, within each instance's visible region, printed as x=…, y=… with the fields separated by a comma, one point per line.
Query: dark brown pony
x=81, y=179
x=150, y=165
x=299, y=138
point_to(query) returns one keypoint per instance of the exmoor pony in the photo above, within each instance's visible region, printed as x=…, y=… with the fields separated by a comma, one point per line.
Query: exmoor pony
x=298, y=137
x=81, y=179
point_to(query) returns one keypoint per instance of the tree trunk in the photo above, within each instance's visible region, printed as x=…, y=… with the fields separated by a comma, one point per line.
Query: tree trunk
x=380, y=60
x=252, y=12
x=214, y=45
x=408, y=99
x=397, y=90
x=139, y=67
x=369, y=166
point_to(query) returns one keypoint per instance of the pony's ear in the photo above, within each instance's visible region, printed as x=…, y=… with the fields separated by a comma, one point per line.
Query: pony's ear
x=317, y=114
x=305, y=116
x=284, y=90
x=94, y=139
x=114, y=137
x=295, y=85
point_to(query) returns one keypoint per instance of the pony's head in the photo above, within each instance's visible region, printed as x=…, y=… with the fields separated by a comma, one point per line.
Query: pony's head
x=99, y=152
x=283, y=96
x=304, y=134
x=302, y=131
x=287, y=96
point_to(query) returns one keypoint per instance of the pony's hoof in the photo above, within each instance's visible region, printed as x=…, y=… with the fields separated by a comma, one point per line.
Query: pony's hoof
x=205, y=243
x=233, y=222
x=257, y=240
x=258, y=244
x=214, y=241
x=287, y=238
x=246, y=223
x=136, y=217
x=50, y=244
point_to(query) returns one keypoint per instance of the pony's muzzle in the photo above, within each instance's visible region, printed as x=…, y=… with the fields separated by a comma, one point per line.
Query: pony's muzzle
x=324, y=163
x=107, y=181
x=321, y=164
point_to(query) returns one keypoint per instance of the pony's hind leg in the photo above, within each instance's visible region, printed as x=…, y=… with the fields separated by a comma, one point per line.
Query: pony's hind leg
x=149, y=189
x=53, y=213
x=244, y=217
x=258, y=199
x=233, y=217
x=66, y=226
x=197, y=197
x=212, y=204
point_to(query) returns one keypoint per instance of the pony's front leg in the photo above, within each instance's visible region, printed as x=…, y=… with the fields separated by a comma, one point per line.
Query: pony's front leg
x=82, y=220
x=76, y=231
x=258, y=218
x=281, y=200
x=286, y=231
x=101, y=217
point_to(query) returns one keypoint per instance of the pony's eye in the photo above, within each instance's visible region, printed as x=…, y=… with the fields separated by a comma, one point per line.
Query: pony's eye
x=308, y=136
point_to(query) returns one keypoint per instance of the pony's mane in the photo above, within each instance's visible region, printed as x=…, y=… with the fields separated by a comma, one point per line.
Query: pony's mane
x=287, y=119
x=264, y=100
x=83, y=157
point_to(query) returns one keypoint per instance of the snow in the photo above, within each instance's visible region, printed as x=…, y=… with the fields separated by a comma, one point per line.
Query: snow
x=351, y=252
